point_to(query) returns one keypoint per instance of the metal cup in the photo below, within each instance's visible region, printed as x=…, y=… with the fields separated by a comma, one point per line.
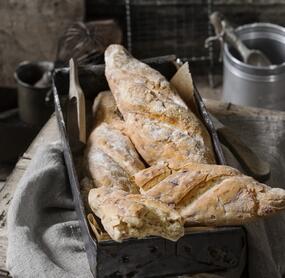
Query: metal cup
x=33, y=101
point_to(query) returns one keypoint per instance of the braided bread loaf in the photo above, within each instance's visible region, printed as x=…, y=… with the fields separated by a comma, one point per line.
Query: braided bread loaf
x=182, y=186
x=110, y=155
x=105, y=110
x=158, y=122
x=111, y=161
x=210, y=194
x=125, y=215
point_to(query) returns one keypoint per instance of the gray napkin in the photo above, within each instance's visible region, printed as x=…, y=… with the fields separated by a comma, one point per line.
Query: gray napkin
x=44, y=236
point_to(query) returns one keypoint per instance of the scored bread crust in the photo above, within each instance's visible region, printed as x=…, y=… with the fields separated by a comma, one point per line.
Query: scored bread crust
x=182, y=186
x=126, y=215
x=111, y=158
x=117, y=146
x=105, y=110
x=150, y=177
x=112, y=161
x=210, y=194
x=159, y=123
x=104, y=171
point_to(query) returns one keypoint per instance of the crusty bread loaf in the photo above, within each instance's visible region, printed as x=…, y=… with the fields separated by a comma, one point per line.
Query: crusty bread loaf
x=126, y=215
x=152, y=176
x=110, y=156
x=105, y=110
x=158, y=122
x=182, y=186
x=117, y=146
x=109, y=136
x=210, y=194
x=112, y=159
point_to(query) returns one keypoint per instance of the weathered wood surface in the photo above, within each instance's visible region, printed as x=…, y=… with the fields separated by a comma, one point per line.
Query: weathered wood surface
x=231, y=114
x=48, y=134
x=6, y=195
x=262, y=130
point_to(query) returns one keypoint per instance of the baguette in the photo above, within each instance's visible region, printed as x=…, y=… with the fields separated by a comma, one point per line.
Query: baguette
x=111, y=158
x=125, y=215
x=210, y=194
x=112, y=161
x=158, y=122
x=105, y=110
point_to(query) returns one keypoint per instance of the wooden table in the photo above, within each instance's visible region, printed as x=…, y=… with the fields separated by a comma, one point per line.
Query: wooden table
x=50, y=133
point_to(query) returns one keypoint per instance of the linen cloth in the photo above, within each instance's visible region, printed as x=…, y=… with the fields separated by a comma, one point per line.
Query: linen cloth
x=44, y=238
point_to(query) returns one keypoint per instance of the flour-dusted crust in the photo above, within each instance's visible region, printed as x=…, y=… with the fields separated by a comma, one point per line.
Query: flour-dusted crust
x=126, y=215
x=158, y=122
x=105, y=110
x=233, y=201
x=106, y=172
x=112, y=159
x=210, y=194
x=183, y=186
x=117, y=146
x=150, y=177
x=110, y=156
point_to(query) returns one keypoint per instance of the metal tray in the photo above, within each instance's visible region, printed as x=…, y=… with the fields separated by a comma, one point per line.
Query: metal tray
x=203, y=250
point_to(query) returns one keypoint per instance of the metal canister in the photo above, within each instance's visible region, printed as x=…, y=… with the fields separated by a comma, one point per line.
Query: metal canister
x=33, y=89
x=251, y=85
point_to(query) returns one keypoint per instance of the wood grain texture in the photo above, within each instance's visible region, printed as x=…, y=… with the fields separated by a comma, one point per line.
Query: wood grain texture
x=255, y=167
x=262, y=130
x=6, y=196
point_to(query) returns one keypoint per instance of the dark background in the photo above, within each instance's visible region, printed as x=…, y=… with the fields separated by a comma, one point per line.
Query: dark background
x=30, y=29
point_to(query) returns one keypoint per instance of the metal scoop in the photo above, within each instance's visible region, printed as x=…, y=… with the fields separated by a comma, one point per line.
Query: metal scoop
x=225, y=32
